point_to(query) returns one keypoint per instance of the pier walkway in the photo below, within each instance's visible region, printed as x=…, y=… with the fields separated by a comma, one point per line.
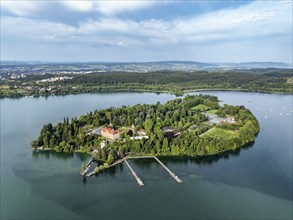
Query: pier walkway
x=169, y=171
x=163, y=165
x=140, y=183
x=118, y=161
x=112, y=165
x=87, y=167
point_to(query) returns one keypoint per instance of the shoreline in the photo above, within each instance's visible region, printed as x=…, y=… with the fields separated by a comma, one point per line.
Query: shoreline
x=182, y=93
x=211, y=157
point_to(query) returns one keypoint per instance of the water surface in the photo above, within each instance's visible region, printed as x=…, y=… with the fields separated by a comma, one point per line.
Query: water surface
x=252, y=183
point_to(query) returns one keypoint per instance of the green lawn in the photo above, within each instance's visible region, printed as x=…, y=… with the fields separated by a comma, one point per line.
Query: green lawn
x=213, y=111
x=201, y=107
x=221, y=133
x=125, y=129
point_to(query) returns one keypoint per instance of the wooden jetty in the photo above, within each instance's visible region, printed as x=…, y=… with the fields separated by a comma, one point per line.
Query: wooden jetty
x=90, y=174
x=169, y=171
x=118, y=161
x=163, y=165
x=93, y=172
x=140, y=183
x=87, y=167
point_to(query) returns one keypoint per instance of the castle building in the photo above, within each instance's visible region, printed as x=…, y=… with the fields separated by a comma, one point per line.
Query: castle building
x=110, y=133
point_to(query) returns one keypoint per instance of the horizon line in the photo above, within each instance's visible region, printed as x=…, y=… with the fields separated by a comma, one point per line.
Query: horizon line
x=153, y=61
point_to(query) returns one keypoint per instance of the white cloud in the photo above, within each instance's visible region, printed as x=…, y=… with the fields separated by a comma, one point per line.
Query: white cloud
x=253, y=20
x=121, y=44
x=248, y=23
x=83, y=6
x=109, y=8
x=21, y=8
x=113, y=7
x=108, y=24
x=25, y=28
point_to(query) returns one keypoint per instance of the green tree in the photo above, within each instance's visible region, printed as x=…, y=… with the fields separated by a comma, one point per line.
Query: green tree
x=148, y=124
x=110, y=158
x=96, y=170
x=83, y=166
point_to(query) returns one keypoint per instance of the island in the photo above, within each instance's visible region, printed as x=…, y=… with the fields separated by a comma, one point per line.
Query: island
x=194, y=125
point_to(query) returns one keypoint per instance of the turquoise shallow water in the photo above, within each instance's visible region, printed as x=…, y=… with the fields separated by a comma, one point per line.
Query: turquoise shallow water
x=253, y=183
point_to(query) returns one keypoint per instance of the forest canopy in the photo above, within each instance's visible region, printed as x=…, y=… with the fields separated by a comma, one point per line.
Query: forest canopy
x=177, y=82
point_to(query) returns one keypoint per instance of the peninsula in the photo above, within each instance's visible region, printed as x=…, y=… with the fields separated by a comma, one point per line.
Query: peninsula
x=195, y=125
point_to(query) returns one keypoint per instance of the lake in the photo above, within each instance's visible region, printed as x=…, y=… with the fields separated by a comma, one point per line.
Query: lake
x=252, y=183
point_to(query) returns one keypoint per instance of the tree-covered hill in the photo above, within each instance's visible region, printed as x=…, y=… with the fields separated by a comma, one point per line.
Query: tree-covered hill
x=178, y=82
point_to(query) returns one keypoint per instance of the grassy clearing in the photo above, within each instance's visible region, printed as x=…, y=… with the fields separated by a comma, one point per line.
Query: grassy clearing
x=125, y=129
x=221, y=133
x=201, y=107
x=208, y=131
x=213, y=111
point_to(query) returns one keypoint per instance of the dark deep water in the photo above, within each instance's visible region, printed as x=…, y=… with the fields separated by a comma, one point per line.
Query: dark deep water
x=252, y=183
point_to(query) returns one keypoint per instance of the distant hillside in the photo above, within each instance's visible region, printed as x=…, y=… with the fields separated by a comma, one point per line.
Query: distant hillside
x=35, y=67
x=255, y=65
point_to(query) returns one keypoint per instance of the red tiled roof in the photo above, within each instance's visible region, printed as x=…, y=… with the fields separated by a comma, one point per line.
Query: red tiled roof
x=110, y=131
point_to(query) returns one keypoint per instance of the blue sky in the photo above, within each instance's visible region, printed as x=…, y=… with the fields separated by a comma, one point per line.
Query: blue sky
x=206, y=31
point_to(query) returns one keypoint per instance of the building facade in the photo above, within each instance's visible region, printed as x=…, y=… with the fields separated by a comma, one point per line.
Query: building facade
x=110, y=133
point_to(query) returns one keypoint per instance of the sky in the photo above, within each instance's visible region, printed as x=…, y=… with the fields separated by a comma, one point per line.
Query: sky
x=204, y=31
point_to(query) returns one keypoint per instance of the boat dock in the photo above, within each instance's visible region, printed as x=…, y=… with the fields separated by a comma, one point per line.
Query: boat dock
x=176, y=178
x=84, y=173
x=140, y=183
x=87, y=167
x=169, y=171
x=118, y=162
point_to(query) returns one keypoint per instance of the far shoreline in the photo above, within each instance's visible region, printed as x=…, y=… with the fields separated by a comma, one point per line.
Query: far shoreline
x=156, y=91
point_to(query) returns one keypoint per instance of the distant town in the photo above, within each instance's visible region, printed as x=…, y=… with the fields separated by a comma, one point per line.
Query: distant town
x=22, y=68
x=38, y=79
